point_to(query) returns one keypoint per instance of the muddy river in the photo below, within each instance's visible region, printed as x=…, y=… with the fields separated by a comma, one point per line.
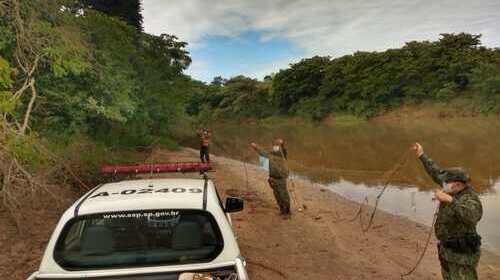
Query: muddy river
x=353, y=160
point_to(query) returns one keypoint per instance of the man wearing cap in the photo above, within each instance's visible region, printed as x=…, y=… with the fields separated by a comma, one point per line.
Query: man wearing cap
x=459, y=212
x=278, y=174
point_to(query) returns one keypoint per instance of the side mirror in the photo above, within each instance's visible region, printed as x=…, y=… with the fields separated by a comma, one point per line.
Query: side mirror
x=234, y=204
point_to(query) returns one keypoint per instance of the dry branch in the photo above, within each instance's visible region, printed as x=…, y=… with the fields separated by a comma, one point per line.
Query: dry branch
x=18, y=182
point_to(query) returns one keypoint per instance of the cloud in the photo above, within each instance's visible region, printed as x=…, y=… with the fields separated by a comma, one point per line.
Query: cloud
x=320, y=27
x=262, y=70
x=325, y=27
x=199, y=68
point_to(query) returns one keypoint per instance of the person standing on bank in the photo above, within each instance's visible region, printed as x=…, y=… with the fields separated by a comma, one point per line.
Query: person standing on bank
x=460, y=210
x=204, y=135
x=278, y=174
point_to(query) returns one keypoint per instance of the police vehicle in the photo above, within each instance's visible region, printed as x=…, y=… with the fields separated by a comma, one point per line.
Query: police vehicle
x=147, y=229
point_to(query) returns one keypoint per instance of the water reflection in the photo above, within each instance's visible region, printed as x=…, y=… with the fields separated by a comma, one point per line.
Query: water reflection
x=418, y=206
x=361, y=153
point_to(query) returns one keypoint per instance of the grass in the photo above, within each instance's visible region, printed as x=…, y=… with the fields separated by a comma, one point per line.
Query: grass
x=348, y=120
x=275, y=121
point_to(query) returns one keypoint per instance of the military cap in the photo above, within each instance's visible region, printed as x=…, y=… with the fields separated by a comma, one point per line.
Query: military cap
x=456, y=174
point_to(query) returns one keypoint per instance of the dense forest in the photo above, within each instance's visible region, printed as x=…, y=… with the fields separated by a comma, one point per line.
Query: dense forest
x=91, y=70
x=78, y=80
x=364, y=84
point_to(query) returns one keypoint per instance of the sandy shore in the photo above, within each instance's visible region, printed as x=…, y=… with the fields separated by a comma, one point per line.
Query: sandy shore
x=317, y=243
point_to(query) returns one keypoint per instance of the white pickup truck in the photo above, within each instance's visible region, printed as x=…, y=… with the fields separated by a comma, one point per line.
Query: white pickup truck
x=146, y=229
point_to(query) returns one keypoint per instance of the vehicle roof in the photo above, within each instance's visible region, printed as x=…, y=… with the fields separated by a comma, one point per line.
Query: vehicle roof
x=145, y=194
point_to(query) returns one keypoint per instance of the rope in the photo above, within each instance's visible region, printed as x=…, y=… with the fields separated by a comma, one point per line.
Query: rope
x=428, y=241
x=402, y=162
x=244, y=162
x=388, y=174
x=348, y=172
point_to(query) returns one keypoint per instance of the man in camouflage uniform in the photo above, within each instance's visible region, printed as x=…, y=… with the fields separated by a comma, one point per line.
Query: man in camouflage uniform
x=459, y=212
x=278, y=174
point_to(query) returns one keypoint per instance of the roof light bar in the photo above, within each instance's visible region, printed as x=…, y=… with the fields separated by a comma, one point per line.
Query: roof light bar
x=156, y=168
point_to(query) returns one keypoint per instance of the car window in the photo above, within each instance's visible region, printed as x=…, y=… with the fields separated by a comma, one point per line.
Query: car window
x=140, y=238
x=74, y=235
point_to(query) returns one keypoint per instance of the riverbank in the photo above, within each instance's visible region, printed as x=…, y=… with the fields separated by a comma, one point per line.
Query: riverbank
x=458, y=108
x=314, y=244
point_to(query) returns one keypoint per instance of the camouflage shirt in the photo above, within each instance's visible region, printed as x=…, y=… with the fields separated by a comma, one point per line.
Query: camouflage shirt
x=278, y=167
x=455, y=219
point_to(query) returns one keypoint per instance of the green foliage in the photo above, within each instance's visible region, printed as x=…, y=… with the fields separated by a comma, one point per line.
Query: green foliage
x=128, y=11
x=315, y=108
x=486, y=80
x=239, y=96
x=301, y=80
x=7, y=105
x=363, y=84
x=86, y=155
x=367, y=83
x=23, y=149
x=79, y=93
x=5, y=71
x=98, y=75
x=7, y=39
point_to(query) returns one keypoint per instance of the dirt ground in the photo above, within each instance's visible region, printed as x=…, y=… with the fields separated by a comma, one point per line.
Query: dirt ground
x=317, y=243
x=21, y=251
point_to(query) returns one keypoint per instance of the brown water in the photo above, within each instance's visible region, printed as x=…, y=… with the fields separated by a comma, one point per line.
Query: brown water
x=353, y=160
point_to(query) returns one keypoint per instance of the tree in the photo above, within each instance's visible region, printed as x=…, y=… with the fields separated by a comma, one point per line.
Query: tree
x=240, y=97
x=368, y=83
x=486, y=80
x=300, y=81
x=129, y=11
x=36, y=47
x=218, y=81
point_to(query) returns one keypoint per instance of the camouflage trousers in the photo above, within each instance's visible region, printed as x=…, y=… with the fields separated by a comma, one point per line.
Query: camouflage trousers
x=280, y=194
x=455, y=271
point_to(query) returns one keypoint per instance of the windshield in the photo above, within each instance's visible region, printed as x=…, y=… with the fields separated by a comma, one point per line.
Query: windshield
x=134, y=239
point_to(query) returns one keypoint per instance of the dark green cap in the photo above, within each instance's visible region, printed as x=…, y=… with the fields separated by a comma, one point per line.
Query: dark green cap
x=456, y=174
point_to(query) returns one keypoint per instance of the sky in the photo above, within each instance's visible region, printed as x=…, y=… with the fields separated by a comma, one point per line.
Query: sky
x=258, y=37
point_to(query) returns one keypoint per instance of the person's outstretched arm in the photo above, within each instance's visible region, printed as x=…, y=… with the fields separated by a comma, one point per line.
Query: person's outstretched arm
x=259, y=150
x=437, y=174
